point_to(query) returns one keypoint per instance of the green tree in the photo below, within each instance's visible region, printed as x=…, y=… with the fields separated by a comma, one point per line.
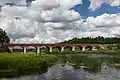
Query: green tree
x=4, y=39
x=95, y=40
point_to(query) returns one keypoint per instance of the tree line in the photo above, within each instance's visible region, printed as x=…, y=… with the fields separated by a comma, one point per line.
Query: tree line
x=91, y=40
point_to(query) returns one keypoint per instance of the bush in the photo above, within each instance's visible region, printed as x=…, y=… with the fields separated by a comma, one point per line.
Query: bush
x=20, y=64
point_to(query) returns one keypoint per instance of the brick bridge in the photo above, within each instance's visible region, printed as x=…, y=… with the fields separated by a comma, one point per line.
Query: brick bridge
x=51, y=47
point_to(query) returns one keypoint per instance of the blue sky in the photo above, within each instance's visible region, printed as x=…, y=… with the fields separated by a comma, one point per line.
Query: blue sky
x=85, y=12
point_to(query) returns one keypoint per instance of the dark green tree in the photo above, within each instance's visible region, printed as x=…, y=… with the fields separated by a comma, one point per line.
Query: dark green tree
x=95, y=40
x=4, y=39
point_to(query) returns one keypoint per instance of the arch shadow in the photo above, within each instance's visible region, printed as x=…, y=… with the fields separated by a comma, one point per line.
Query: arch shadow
x=67, y=49
x=97, y=47
x=31, y=49
x=57, y=49
x=78, y=48
x=44, y=49
x=88, y=48
x=18, y=49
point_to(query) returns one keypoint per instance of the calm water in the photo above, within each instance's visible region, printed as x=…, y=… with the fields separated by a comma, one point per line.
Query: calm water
x=69, y=72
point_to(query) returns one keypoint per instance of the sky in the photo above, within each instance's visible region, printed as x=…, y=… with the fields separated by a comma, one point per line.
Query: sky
x=53, y=21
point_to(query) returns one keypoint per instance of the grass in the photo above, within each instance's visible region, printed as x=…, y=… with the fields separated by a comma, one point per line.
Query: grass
x=110, y=52
x=21, y=64
x=93, y=64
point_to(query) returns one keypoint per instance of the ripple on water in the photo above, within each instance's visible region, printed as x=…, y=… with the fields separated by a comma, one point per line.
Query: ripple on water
x=107, y=73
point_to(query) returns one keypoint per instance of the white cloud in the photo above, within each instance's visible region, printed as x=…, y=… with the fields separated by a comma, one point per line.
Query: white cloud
x=17, y=2
x=40, y=22
x=96, y=4
x=54, y=22
x=107, y=24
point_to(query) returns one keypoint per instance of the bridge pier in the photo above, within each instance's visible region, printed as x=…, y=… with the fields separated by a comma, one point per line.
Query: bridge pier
x=25, y=50
x=93, y=48
x=62, y=49
x=83, y=48
x=73, y=48
x=38, y=50
x=51, y=49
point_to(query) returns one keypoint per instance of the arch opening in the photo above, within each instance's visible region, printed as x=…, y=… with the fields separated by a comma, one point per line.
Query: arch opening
x=96, y=48
x=79, y=48
x=31, y=49
x=17, y=49
x=67, y=49
x=44, y=49
x=88, y=48
x=57, y=49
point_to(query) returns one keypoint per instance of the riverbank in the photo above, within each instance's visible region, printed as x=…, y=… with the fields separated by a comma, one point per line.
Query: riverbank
x=108, y=52
x=19, y=64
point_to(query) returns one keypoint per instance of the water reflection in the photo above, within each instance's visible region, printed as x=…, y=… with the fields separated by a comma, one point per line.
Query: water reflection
x=107, y=73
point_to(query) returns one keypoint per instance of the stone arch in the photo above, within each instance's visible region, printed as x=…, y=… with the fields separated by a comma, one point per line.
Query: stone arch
x=97, y=47
x=67, y=48
x=56, y=49
x=44, y=49
x=18, y=49
x=31, y=46
x=89, y=47
x=79, y=48
x=30, y=49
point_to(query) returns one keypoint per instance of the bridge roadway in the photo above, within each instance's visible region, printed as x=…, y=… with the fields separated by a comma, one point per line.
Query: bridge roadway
x=60, y=47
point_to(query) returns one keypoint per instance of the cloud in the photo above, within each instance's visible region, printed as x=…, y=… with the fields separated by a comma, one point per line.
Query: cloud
x=17, y=2
x=96, y=4
x=40, y=21
x=51, y=21
x=107, y=24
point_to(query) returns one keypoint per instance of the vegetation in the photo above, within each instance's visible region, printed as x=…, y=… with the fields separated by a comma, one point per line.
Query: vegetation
x=19, y=64
x=91, y=64
x=78, y=61
x=4, y=39
x=96, y=40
